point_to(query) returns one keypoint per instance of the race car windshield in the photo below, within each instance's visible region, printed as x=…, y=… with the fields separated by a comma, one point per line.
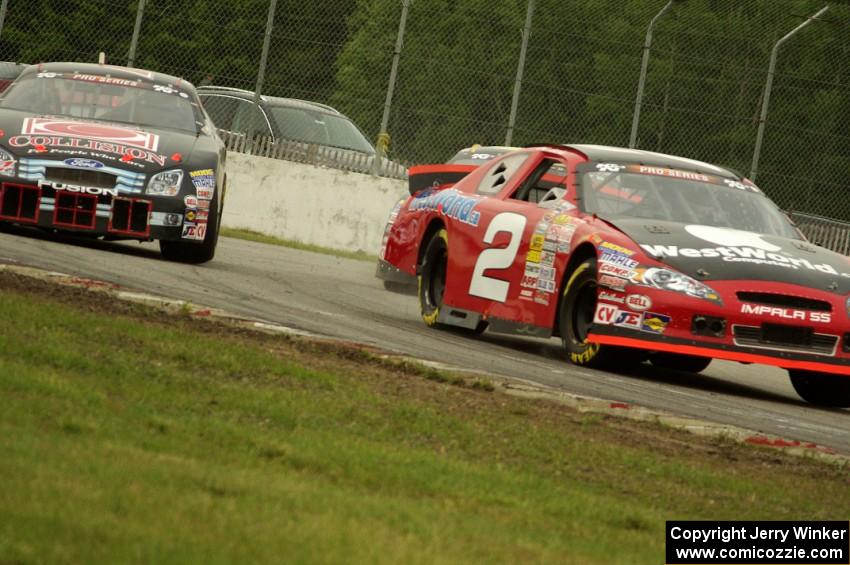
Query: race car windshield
x=729, y=204
x=93, y=100
x=320, y=128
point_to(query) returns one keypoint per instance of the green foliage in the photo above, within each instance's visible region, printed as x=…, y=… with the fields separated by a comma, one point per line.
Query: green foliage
x=458, y=65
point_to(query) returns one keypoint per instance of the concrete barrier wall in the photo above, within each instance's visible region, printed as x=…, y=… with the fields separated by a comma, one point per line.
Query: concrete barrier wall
x=326, y=207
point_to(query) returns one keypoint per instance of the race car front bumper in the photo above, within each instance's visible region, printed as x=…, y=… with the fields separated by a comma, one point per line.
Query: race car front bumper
x=121, y=217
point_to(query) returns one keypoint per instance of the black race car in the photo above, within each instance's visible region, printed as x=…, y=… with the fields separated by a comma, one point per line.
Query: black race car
x=114, y=152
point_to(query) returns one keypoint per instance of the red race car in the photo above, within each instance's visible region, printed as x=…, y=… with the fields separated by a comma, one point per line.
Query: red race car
x=626, y=255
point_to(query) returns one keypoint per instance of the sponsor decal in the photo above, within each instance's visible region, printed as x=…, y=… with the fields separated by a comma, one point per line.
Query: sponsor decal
x=786, y=313
x=611, y=297
x=195, y=231
x=104, y=79
x=616, y=248
x=626, y=319
x=617, y=259
x=203, y=180
x=203, y=215
x=536, y=242
x=83, y=163
x=450, y=203
x=616, y=270
x=547, y=286
x=654, y=323
x=205, y=193
x=191, y=215
x=605, y=314
x=609, y=167
x=612, y=282
x=64, y=145
x=638, y=302
x=533, y=257
x=741, y=255
x=203, y=204
x=526, y=295
x=90, y=131
x=674, y=173
x=190, y=201
x=93, y=190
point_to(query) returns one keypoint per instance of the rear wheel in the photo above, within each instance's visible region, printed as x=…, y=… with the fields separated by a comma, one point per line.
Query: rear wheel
x=823, y=389
x=195, y=253
x=432, y=278
x=679, y=362
x=578, y=307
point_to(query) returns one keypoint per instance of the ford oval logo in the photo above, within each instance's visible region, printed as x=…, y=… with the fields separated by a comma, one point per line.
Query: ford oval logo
x=84, y=163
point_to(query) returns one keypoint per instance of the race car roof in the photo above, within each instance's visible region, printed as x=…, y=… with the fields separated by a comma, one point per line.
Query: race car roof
x=126, y=73
x=650, y=158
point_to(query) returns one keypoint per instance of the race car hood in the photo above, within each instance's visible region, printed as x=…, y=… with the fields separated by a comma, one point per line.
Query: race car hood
x=711, y=253
x=126, y=146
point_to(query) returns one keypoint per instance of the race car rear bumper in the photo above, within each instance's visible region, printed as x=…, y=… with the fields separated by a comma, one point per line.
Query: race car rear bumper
x=386, y=271
x=787, y=360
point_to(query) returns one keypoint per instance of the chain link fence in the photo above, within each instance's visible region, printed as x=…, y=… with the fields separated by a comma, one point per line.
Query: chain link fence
x=458, y=69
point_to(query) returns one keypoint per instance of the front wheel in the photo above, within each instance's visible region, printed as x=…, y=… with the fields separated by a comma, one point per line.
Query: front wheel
x=822, y=389
x=432, y=278
x=578, y=307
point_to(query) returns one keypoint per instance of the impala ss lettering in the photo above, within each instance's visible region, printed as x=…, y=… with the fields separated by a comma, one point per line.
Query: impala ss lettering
x=787, y=313
x=94, y=190
x=739, y=255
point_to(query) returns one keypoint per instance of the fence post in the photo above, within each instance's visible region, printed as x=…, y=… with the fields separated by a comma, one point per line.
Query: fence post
x=384, y=136
x=261, y=73
x=768, y=86
x=644, y=64
x=3, y=6
x=140, y=10
x=520, y=70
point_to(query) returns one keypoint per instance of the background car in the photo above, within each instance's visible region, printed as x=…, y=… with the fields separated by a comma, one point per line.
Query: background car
x=234, y=110
x=626, y=255
x=113, y=152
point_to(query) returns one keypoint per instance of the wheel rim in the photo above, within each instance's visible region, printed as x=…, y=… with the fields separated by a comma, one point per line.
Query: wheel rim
x=584, y=308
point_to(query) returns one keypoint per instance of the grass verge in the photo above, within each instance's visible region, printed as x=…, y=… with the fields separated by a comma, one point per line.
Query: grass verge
x=251, y=235
x=128, y=435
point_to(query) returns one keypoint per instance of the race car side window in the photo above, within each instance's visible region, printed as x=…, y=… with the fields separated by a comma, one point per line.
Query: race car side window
x=547, y=183
x=500, y=173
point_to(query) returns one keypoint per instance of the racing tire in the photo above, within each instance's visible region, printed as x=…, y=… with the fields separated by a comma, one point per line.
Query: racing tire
x=575, y=317
x=821, y=389
x=432, y=278
x=679, y=362
x=195, y=253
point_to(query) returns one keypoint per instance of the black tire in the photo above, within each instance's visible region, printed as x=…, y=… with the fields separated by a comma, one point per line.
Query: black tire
x=821, y=389
x=578, y=306
x=432, y=278
x=195, y=253
x=679, y=362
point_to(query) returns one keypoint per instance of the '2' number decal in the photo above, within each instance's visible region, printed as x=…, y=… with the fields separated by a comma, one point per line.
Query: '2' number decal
x=497, y=258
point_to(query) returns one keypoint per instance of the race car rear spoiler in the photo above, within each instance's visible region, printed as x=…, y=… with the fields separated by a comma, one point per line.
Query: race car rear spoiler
x=421, y=177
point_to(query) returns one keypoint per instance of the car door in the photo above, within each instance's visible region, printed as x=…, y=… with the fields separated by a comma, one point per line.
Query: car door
x=505, y=266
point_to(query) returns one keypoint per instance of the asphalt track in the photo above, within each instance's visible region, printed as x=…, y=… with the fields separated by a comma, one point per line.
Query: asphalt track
x=341, y=298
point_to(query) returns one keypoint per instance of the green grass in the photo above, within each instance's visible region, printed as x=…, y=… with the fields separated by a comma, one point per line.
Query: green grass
x=250, y=235
x=125, y=438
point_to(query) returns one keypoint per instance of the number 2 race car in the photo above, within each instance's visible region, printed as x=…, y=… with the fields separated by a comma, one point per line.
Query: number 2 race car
x=627, y=256
x=114, y=152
